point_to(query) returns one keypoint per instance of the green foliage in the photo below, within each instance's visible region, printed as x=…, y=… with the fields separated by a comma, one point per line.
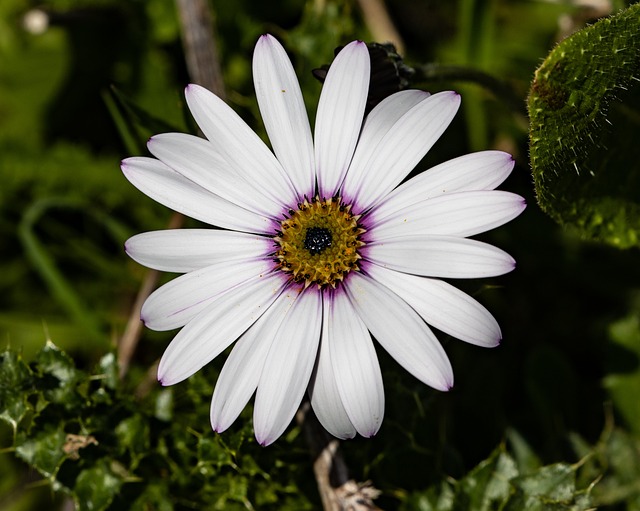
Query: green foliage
x=14, y=376
x=65, y=209
x=584, y=108
x=623, y=380
x=95, y=441
x=611, y=467
x=498, y=483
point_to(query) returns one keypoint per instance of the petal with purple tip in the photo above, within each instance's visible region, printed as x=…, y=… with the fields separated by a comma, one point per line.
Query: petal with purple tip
x=288, y=366
x=452, y=214
x=241, y=372
x=185, y=250
x=216, y=327
x=355, y=365
x=443, y=306
x=339, y=116
x=166, y=186
x=440, y=256
x=390, y=160
x=239, y=146
x=284, y=113
x=400, y=331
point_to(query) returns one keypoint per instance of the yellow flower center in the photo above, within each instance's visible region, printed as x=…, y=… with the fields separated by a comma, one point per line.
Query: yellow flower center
x=318, y=243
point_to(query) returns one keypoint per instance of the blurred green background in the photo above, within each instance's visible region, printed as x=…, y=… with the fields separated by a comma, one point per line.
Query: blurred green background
x=563, y=385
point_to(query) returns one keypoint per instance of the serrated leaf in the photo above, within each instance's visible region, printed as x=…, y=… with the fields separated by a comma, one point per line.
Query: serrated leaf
x=553, y=482
x=488, y=483
x=211, y=452
x=623, y=457
x=109, y=367
x=496, y=483
x=133, y=437
x=584, y=108
x=96, y=487
x=59, y=376
x=613, y=464
x=552, y=487
x=88, y=451
x=15, y=381
x=44, y=451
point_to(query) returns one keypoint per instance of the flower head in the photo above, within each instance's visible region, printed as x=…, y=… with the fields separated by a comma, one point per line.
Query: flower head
x=319, y=246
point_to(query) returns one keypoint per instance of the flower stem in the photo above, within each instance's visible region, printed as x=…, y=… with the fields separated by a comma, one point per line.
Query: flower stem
x=200, y=48
x=499, y=88
x=337, y=491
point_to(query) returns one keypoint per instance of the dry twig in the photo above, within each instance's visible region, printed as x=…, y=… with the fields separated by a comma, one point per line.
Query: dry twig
x=380, y=23
x=199, y=42
x=204, y=68
x=337, y=491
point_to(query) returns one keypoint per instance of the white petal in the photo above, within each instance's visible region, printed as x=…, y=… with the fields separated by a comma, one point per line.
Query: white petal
x=443, y=306
x=185, y=250
x=355, y=366
x=197, y=160
x=283, y=112
x=240, y=147
x=339, y=116
x=216, y=327
x=440, y=256
x=400, y=150
x=177, y=302
x=376, y=125
x=452, y=214
x=400, y=331
x=241, y=372
x=323, y=391
x=288, y=367
x=169, y=188
x=483, y=170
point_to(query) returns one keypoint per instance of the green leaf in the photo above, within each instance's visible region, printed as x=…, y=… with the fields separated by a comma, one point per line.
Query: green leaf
x=96, y=487
x=488, y=483
x=93, y=439
x=44, y=451
x=45, y=264
x=612, y=467
x=496, y=483
x=584, y=108
x=133, y=436
x=622, y=480
x=15, y=381
x=553, y=484
x=59, y=376
x=623, y=382
x=109, y=367
x=134, y=123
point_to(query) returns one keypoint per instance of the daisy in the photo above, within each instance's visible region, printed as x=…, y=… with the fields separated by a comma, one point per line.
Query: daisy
x=318, y=246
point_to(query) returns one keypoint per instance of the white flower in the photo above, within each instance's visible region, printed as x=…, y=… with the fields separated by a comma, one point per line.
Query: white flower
x=320, y=247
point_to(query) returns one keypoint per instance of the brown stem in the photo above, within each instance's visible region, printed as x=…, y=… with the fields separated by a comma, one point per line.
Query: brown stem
x=131, y=335
x=129, y=339
x=204, y=69
x=380, y=24
x=337, y=491
x=500, y=89
x=199, y=42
